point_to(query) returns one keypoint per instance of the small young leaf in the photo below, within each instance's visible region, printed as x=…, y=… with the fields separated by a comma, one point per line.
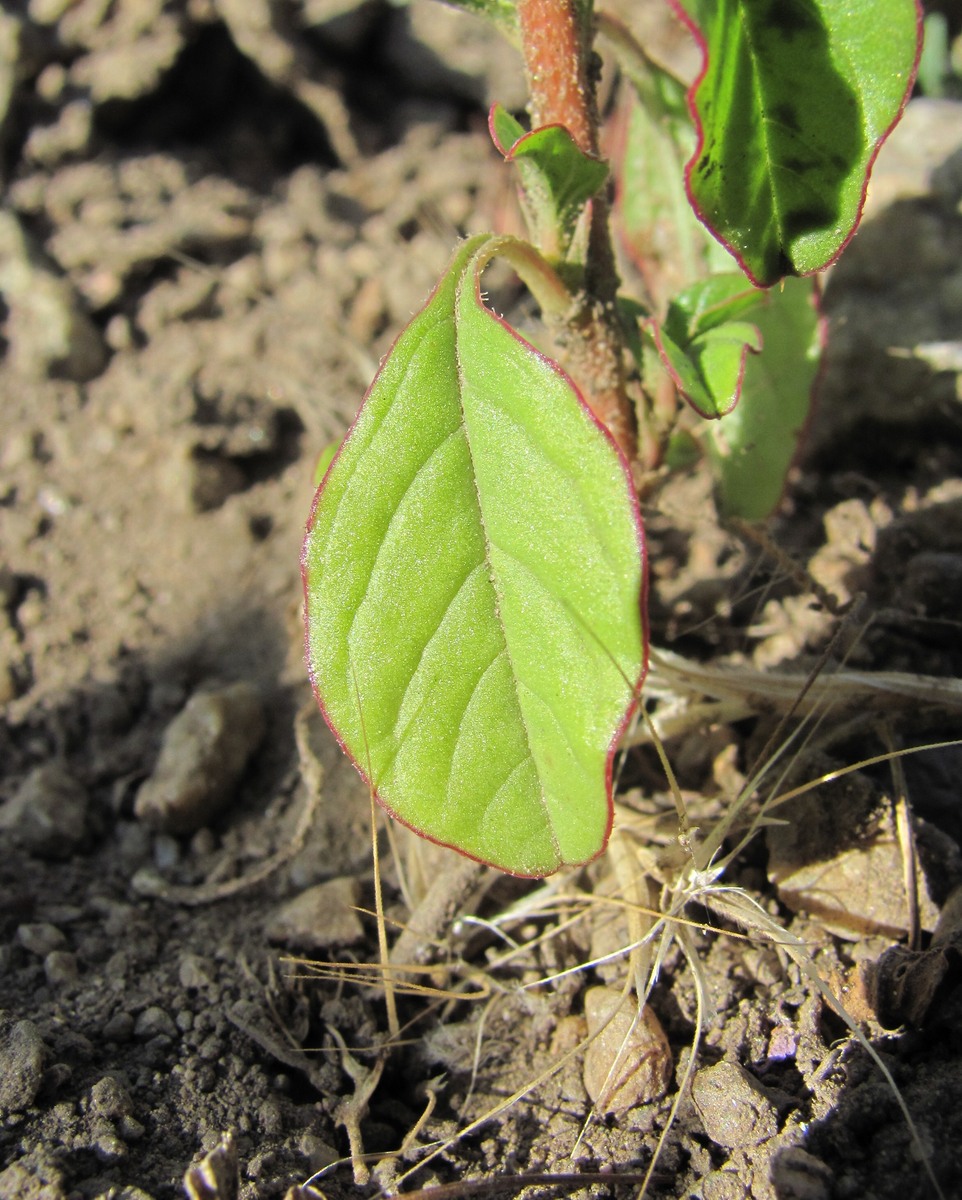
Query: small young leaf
x=557, y=178
x=753, y=446
x=474, y=581
x=794, y=100
x=704, y=345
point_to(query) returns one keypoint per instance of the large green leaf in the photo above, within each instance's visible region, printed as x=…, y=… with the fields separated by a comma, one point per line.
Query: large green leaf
x=753, y=446
x=793, y=102
x=474, y=582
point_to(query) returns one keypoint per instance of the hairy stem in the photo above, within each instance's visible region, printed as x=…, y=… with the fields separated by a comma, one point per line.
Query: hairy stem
x=556, y=41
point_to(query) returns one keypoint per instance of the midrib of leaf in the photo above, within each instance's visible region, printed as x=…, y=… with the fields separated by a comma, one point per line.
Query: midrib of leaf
x=469, y=276
x=770, y=164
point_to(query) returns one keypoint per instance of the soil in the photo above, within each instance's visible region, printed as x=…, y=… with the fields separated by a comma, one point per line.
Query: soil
x=217, y=215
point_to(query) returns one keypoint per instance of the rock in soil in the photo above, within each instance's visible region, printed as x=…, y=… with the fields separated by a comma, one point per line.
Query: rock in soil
x=22, y=1053
x=319, y=917
x=733, y=1106
x=47, y=815
x=629, y=1062
x=204, y=752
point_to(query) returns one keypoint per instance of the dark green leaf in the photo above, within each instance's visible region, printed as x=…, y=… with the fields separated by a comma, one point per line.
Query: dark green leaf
x=794, y=101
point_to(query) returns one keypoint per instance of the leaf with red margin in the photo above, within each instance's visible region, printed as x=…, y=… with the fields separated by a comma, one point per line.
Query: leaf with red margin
x=557, y=178
x=704, y=341
x=474, y=579
x=793, y=102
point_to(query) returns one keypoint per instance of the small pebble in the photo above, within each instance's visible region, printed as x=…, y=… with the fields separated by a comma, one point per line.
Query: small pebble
x=317, y=1151
x=194, y=973
x=320, y=917
x=110, y=1098
x=60, y=968
x=629, y=1061
x=733, y=1106
x=154, y=1022
x=22, y=1053
x=47, y=815
x=204, y=752
x=41, y=938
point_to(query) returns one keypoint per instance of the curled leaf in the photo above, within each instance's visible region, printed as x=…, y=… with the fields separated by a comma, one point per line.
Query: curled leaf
x=557, y=177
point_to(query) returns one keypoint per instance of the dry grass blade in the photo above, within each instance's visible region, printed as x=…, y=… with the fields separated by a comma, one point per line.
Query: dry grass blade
x=673, y=677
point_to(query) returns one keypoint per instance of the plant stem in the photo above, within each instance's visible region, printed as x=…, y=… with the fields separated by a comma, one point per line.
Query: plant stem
x=556, y=41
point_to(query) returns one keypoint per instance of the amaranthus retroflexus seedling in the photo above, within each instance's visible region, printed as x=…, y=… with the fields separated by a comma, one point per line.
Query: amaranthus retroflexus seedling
x=474, y=565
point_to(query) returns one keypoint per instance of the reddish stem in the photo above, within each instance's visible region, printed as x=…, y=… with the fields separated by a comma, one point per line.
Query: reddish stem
x=556, y=37
x=556, y=40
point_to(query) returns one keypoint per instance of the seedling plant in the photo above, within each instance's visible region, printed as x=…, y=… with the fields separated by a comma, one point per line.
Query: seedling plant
x=475, y=563
x=475, y=567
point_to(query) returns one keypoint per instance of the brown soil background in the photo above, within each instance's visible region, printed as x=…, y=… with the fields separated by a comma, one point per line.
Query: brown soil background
x=217, y=215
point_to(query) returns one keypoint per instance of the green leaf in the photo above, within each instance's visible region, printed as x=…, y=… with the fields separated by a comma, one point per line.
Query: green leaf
x=753, y=446
x=794, y=100
x=661, y=232
x=557, y=178
x=704, y=345
x=474, y=580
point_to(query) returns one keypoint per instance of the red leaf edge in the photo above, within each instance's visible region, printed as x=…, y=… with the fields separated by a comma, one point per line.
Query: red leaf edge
x=642, y=599
x=688, y=21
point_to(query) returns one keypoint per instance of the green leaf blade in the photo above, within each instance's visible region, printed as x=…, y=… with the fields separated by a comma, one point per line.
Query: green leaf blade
x=794, y=100
x=557, y=178
x=669, y=245
x=474, y=577
x=753, y=446
x=704, y=343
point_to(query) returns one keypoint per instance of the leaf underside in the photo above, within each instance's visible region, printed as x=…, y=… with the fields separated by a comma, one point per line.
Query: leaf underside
x=474, y=575
x=794, y=100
